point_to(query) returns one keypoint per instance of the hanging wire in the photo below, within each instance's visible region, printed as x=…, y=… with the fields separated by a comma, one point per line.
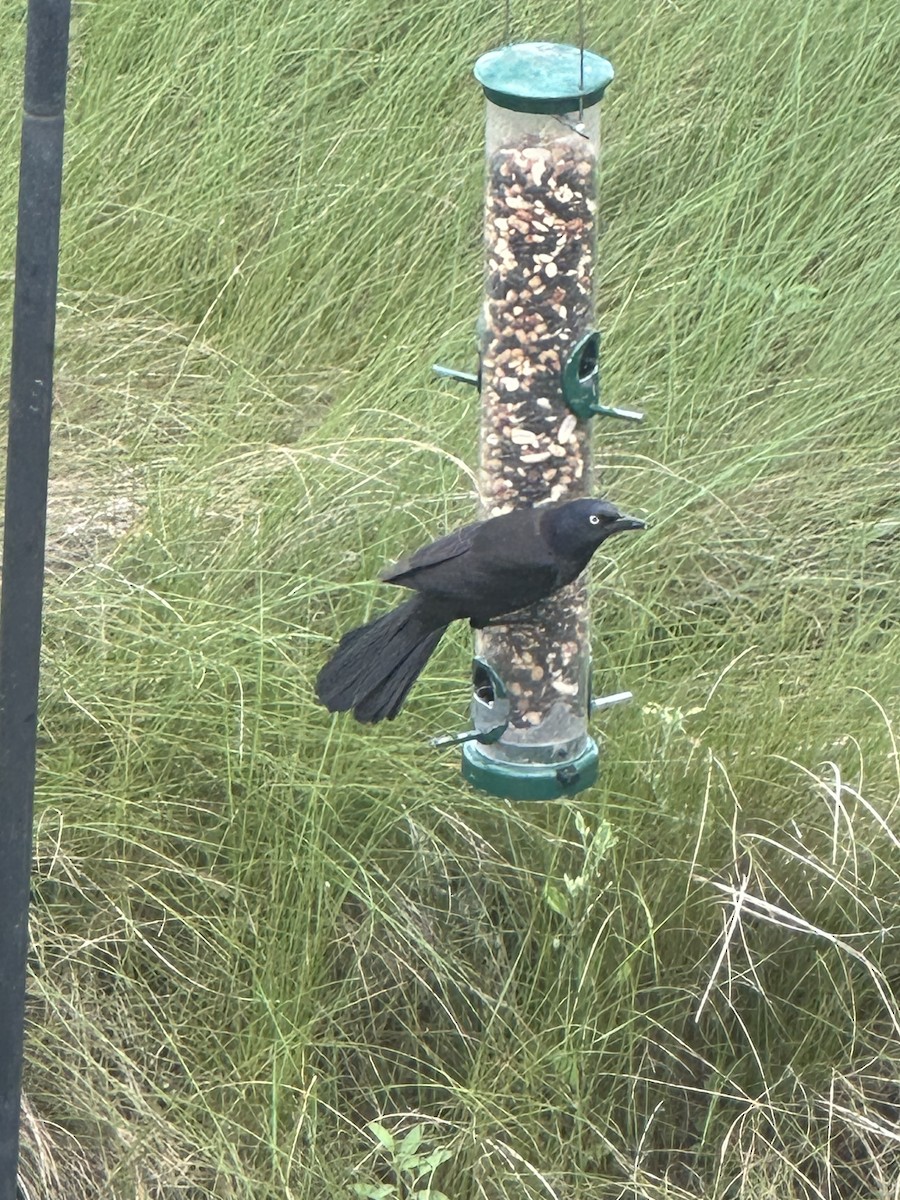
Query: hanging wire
x=567, y=119
x=507, y=35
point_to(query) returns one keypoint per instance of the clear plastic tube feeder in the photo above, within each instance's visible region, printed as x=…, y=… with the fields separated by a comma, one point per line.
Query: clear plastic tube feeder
x=539, y=387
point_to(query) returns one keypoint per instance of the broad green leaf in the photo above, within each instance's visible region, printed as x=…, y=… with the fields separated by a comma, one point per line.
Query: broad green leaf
x=374, y=1191
x=412, y=1141
x=436, y=1157
x=384, y=1135
x=556, y=899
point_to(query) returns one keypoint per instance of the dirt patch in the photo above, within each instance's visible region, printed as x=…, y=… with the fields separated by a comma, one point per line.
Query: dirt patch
x=87, y=516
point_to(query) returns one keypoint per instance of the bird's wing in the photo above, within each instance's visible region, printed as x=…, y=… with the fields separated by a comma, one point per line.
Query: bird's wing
x=452, y=546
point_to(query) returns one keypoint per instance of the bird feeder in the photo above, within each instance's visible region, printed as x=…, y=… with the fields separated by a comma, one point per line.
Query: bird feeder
x=539, y=387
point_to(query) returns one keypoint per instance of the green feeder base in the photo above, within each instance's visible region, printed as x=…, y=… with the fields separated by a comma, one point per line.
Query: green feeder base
x=530, y=781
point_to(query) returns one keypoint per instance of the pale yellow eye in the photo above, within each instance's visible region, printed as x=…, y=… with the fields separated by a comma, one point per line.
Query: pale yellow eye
x=594, y=519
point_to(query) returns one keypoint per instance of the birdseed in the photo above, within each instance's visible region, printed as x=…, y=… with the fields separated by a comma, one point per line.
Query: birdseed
x=540, y=211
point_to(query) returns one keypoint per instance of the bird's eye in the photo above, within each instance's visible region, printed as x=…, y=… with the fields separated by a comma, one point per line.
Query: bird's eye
x=594, y=519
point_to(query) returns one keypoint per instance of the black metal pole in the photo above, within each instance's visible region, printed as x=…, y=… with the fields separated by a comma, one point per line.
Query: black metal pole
x=21, y=594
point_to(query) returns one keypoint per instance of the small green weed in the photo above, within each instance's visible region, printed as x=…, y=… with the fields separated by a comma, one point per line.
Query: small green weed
x=410, y=1161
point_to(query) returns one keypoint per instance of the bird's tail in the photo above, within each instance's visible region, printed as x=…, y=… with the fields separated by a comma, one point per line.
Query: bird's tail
x=374, y=666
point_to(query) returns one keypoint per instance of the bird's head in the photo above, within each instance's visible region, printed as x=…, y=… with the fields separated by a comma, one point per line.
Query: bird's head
x=576, y=528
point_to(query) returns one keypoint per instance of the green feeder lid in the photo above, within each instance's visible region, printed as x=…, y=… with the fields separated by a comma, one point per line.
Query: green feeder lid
x=543, y=77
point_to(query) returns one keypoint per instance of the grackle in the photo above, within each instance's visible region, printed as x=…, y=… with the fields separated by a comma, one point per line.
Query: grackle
x=479, y=573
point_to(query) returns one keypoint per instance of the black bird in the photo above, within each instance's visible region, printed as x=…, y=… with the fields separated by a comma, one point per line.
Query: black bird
x=478, y=573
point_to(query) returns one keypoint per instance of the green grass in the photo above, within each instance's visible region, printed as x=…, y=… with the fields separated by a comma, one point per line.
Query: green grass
x=256, y=928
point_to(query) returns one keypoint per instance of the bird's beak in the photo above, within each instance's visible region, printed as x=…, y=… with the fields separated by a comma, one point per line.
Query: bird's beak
x=624, y=523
